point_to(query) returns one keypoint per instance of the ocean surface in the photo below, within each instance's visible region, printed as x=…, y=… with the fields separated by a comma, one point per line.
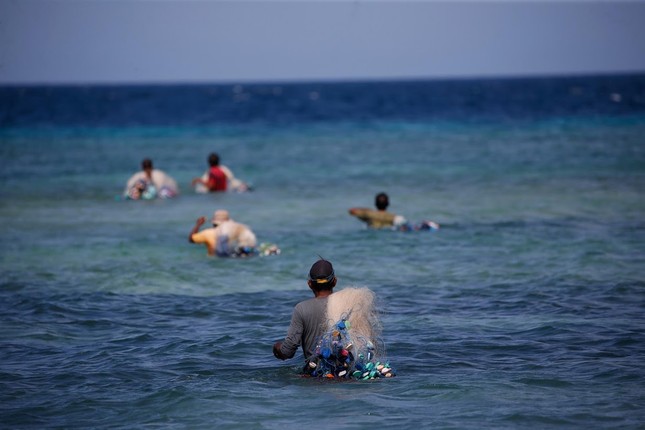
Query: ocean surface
x=525, y=310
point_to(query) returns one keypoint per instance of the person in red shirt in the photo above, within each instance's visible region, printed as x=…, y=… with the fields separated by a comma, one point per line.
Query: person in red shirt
x=218, y=178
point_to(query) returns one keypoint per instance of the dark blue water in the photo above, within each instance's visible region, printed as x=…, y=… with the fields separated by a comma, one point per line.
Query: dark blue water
x=525, y=310
x=281, y=104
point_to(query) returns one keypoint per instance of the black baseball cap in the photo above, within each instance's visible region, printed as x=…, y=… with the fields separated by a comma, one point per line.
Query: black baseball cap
x=322, y=272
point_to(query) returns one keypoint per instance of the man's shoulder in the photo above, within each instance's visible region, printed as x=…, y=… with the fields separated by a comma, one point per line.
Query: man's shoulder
x=207, y=232
x=379, y=215
x=226, y=170
x=312, y=303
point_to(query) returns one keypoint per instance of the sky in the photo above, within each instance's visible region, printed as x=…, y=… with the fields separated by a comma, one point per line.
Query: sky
x=199, y=41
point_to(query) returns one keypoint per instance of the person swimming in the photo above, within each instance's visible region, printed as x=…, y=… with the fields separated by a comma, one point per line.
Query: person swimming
x=379, y=218
x=382, y=219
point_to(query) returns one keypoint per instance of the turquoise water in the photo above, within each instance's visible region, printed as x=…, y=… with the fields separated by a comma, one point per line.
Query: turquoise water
x=525, y=310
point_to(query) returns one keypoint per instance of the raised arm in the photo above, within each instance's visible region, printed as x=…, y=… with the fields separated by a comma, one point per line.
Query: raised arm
x=200, y=221
x=360, y=213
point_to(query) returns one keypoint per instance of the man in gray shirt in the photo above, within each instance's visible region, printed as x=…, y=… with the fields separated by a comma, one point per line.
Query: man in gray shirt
x=310, y=316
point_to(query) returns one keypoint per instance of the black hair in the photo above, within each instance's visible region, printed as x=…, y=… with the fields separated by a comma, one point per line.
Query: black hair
x=213, y=159
x=382, y=201
x=322, y=287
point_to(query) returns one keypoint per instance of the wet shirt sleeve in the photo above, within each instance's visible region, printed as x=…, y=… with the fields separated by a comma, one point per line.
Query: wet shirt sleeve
x=375, y=219
x=294, y=334
x=362, y=214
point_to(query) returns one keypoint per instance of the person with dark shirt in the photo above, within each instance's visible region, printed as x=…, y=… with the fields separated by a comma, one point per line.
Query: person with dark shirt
x=309, y=317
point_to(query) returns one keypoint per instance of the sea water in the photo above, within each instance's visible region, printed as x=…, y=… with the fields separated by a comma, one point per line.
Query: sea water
x=525, y=310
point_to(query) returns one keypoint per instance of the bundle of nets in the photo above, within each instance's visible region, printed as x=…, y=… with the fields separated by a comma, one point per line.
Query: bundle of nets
x=350, y=347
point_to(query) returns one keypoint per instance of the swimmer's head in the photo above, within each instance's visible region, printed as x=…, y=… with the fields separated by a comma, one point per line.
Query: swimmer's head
x=220, y=216
x=213, y=159
x=322, y=276
x=146, y=164
x=382, y=201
